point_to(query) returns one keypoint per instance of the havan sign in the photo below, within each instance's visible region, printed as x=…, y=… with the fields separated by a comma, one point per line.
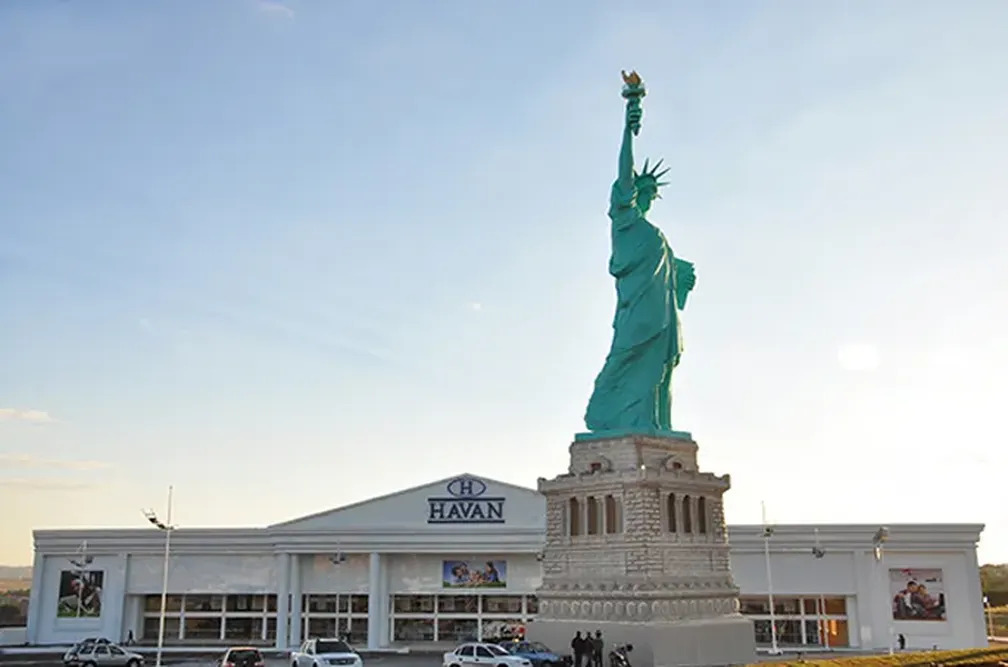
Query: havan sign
x=465, y=503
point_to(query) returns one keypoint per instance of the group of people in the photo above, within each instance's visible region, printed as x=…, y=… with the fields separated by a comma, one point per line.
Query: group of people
x=587, y=649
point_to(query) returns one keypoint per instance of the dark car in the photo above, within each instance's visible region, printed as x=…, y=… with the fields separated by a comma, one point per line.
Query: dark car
x=538, y=654
x=242, y=656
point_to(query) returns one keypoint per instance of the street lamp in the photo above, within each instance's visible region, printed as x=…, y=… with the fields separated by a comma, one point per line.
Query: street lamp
x=167, y=527
x=80, y=568
x=767, y=534
x=878, y=542
x=819, y=553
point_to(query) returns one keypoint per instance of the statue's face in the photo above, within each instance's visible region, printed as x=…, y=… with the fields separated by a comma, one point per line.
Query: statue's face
x=647, y=190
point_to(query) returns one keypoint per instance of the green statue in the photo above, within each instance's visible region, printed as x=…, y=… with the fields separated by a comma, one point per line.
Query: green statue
x=633, y=391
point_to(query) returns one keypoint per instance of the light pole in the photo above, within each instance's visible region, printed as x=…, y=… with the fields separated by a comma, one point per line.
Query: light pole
x=878, y=542
x=167, y=527
x=80, y=564
x=990, y=618
x=818, y=553
x=767, y=534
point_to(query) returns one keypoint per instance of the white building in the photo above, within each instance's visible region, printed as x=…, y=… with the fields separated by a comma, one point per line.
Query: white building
x=455, y=559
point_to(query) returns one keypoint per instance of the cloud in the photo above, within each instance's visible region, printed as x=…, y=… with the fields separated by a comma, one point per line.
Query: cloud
x=476, y=305
x=28, y=461
x=858, y=357
x=32, y=416
x=275, y=8
x=46, y=484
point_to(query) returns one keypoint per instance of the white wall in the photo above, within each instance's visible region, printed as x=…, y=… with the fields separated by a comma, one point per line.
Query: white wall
x=422, y=573
x=13, y=636
x=53, y=630
x=203, y=574
x=794, y=573
x=319, y=575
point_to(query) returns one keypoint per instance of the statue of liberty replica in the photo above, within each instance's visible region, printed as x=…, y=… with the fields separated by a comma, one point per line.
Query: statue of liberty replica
x=636, y=544
x=633, y=391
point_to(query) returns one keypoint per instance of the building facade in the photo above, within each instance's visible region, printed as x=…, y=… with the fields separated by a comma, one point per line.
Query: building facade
x=459, y=559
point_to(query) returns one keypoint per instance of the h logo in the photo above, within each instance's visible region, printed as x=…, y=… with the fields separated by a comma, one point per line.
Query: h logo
x=466, y=487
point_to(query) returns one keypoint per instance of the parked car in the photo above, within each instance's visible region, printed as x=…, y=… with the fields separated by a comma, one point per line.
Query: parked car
x=101, y=654
x=485, y=655
x=242, y=656
x=322, y=652
x=538, y=654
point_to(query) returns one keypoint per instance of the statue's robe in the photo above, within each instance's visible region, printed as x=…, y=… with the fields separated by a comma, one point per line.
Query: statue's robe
x=647, y=342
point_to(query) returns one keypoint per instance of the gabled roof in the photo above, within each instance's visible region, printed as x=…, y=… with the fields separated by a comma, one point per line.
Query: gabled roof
x=408, y=508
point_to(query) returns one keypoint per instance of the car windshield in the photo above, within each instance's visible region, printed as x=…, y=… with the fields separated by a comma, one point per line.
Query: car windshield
x=332, y=646
x=539, y=648
x=497, y=650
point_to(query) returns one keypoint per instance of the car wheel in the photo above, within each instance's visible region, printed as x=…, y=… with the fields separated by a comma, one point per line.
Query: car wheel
x=454, y=665
x=88, y=664
x=133, y=663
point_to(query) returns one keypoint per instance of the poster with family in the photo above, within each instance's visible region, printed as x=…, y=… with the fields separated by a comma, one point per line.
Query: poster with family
x=80, y=594
x=917, y=595
x=474, y=574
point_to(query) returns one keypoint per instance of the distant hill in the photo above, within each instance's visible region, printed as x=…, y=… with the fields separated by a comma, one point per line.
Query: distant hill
x=15, y=572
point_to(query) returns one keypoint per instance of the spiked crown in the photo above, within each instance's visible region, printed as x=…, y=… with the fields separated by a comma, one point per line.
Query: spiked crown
x=652, y=173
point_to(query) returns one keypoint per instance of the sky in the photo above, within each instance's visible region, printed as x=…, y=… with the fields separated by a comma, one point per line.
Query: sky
x=288, y=256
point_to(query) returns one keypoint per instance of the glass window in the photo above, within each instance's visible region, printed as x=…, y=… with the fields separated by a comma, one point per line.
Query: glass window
x=321, y=627
x=271, y=603
x=150, y=628
x=837, y=632
x=325, y=604
x=787, y=606
x=358, y=630
x=358, y=604
x=202, y=628
x=502, y=604
x=243, y=629
x=458, y=604
x=483, y=652
x=244, y=656
x=574, y=516
x=495, y=630
x=532, y=604
x=465, y=650
x=457, y=629
x=413, y=630
x=754, y=606
x=333, y=647
x=761, y=629
x=245, y=603
x=836, y=606
x=813, y=635
x=611, y=515
x=204, y=603
x=789, y=632
x=116, y=650
x=593, y=516
x=271, y=628
x=152, y=603
x=413, y=604
x=811, y=606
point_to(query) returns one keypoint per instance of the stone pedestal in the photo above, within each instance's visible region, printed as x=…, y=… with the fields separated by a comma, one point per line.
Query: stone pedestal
x=636, y=547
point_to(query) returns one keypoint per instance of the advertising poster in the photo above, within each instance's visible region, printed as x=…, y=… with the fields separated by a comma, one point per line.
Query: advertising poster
x=80, y=594
x=474, y=574
x=917, y=595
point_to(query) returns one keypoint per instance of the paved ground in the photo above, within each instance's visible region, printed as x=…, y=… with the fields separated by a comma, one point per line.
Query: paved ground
x=53, y=660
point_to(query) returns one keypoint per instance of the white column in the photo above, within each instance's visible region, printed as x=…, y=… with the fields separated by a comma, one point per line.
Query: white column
x=282, y=591
x=35, y=599
x=295, y=586
x=374, y=601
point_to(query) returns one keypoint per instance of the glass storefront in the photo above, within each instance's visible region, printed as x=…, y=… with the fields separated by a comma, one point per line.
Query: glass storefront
x=804, y=621
x=458, y=617
x=210, y=619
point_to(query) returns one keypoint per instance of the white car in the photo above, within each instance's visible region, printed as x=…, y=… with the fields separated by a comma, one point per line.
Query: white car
x=485, y=655
x=325, y=652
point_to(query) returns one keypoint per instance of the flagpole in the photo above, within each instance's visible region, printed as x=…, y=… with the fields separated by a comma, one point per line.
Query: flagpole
x=767, y=532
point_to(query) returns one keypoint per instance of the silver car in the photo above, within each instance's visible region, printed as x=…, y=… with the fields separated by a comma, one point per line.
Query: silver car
x=101, y=655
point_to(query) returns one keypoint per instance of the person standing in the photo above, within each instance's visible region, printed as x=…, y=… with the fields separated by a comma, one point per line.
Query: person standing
x=597, y=646
x=578, y=648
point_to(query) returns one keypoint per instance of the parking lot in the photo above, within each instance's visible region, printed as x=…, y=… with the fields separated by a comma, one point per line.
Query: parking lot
x=17, y=659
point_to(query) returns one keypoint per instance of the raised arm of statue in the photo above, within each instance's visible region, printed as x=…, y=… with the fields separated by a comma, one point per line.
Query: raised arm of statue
x=633, y=92
x=626, y=159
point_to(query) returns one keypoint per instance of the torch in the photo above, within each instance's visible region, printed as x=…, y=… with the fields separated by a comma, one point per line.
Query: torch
x=633, y=92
